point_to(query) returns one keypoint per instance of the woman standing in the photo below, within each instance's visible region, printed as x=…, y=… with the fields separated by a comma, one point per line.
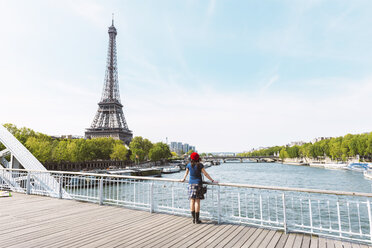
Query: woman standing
x=195, y=185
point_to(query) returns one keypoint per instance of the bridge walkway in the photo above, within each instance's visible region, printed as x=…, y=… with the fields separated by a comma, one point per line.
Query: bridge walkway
x=36, y=221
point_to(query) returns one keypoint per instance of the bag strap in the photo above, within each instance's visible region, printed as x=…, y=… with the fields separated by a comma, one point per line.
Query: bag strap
x=201, y=173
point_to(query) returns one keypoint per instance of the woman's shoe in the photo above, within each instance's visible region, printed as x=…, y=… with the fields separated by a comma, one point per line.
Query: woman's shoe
x=193, y=216
x=197, y=221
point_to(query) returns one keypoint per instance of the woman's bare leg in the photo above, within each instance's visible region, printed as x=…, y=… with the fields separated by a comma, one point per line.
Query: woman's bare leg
x=197, y=205
x=192, y=205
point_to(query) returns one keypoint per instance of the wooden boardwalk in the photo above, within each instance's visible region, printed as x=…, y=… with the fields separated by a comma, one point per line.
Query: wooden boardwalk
x=36, y=221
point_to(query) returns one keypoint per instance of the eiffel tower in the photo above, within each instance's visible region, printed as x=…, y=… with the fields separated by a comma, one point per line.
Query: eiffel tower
x=109, y=120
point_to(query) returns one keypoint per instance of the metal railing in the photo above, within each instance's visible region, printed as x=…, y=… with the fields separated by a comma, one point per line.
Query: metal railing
x=344, y=215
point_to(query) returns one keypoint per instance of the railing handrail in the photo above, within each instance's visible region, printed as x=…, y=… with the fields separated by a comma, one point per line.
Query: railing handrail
x=236, y=185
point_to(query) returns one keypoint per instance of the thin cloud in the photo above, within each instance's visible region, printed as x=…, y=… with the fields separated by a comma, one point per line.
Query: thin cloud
x=211, y=8
x=272, y=80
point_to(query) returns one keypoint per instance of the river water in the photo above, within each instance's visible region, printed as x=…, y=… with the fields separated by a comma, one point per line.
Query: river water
x=276, y=174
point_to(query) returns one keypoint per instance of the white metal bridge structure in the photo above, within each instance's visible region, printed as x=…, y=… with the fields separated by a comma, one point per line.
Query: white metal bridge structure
x=16, y=156
x=334, y=214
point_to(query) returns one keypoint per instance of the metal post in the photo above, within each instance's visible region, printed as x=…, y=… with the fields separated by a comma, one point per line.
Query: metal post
x=239, y=207
x=218, y=205
x=284, y=214
x=339, y=218
x=370, y=219
x=101, y=191
x=261, y=209
x=2, y=178
x=311, y=216
x=152, y=197
x=134, y=193
x=28, y=184
x=60, y=188
x=172, y=197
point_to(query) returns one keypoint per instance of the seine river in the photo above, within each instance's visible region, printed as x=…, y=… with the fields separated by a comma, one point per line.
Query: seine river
x=275, y=174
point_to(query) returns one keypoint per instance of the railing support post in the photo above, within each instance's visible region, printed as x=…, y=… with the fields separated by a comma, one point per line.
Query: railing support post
x=261, y=215
x=2, y=179
x=370, y=219
x=239, y=208
x=28, y=184
x=339, y=218
x=172, y=197
x=152, y=197
x=284, y=215
x=218, y=205
x=60, y=188
x=311, y=216
x=101, y=191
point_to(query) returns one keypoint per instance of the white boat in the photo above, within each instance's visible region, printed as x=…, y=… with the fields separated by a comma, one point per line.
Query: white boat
x=359, y=166
x=169, y=170
x=207, y=164
x=317, y=164
x=337, y=166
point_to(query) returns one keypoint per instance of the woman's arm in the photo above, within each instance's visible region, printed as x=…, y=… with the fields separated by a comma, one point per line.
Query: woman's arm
x=184, y=178
x=207, y=175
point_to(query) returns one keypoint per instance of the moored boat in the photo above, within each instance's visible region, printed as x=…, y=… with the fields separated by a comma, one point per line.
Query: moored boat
x=172, y=169
x=207, y=164
x=155, y=172
x=359, y=166
x=336, y=166
x=317, y=164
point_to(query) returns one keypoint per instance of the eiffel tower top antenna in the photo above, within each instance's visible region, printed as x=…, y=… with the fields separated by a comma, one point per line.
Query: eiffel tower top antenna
x=112, y=19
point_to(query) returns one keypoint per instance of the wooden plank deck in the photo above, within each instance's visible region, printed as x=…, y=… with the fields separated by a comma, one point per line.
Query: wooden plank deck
x=36, y=221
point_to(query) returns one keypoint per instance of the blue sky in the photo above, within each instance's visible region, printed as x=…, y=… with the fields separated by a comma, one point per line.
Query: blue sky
x=221, y=75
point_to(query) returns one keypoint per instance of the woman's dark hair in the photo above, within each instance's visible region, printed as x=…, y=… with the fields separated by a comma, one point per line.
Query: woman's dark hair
x=193, y=162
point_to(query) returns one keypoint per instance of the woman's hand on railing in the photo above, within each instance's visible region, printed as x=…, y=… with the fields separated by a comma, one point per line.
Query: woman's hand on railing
x=214, y=181
x=182, y=180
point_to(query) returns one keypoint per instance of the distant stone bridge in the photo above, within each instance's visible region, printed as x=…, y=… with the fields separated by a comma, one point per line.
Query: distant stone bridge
x=242, y=158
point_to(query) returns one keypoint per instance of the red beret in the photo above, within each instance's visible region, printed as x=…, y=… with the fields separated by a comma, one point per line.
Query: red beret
x=194, y=156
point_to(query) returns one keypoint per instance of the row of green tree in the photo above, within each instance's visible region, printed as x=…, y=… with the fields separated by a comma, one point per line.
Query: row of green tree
x=48, y=149
x=339, y=148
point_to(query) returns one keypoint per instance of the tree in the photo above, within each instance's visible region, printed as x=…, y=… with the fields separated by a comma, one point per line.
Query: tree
x=283, y=153
x=119, y=152
x=60, y=152
x=293, y=152
x=335, y=148
x=159, y=151
x=369, y=144
x=362, y=144
x=315, y=150
x=189, y=152
x=353, y=146
x=140, y=148
x=41, y=149
x=22, y=134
